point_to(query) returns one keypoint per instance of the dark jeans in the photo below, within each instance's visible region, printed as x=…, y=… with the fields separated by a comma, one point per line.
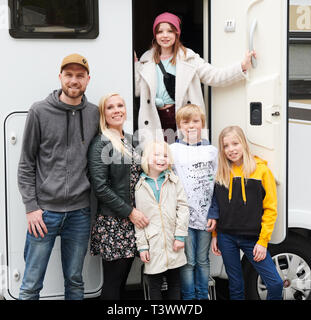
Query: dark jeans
x=230, y=246
x=115, y=276
x=173, y=281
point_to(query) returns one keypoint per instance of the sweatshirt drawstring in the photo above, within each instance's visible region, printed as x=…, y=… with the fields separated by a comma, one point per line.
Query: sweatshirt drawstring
x=230, y=186
x=67, y=129
x=81, y=126
x=242, y=188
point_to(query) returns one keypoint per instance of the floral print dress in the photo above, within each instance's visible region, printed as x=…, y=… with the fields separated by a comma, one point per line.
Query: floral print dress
x=114, y=238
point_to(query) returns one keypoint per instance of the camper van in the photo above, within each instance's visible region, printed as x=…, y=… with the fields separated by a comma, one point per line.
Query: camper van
x=35, y=35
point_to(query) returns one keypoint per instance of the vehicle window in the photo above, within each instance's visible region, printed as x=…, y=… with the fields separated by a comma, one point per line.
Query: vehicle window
x=300, y=71
x=300, y=50
x=54, y=19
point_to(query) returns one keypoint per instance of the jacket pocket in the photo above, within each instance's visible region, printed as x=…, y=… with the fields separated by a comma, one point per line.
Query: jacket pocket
x=53, y=187
x=151, y=232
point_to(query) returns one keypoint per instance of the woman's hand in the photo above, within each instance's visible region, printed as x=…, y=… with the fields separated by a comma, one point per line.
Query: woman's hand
x=259, y=253
x=214, y=246
x=178, y=245
x=144, y=256
x=138, y=219
x=247, y=62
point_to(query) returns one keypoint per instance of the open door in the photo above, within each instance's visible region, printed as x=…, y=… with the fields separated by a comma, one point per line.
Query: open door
x=259, y=104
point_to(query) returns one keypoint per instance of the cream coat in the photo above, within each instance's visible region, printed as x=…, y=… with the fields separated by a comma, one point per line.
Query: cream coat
x=191, y=71
x=168, y=218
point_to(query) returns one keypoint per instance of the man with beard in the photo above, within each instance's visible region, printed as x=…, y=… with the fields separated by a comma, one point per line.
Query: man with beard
x=53, y=182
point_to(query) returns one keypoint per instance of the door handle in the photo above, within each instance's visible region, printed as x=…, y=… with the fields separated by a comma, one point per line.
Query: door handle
x=251, y=42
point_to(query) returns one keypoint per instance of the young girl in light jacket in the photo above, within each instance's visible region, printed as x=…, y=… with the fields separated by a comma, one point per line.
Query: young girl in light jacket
x=160, y=194
x=157, y=106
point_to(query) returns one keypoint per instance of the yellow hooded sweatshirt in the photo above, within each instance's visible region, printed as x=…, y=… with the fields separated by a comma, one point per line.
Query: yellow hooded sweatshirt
x=249, y=206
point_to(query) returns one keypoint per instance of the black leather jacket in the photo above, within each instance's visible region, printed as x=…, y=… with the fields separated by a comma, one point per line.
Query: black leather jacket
x=110, y=177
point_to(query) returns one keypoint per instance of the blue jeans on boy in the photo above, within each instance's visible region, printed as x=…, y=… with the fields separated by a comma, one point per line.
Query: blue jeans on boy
x=230, y=246
x=74, y=229
x=194, y=275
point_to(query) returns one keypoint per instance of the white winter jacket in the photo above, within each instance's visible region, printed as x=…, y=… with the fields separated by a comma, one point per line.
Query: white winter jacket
x=167, y=218
x=191, y=71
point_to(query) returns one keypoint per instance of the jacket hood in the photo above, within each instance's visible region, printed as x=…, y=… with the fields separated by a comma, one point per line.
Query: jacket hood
x=53, y=99
x=260, y=161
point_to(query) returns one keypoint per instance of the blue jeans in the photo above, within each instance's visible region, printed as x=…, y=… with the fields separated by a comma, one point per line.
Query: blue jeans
x=194, y=275
x=74, y=229
x=230, y=246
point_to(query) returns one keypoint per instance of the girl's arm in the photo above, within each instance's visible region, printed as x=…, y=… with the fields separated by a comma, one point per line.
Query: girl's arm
x=213, y=211
x=140, y=233
x=141, y=240
x=182, y=211
x=269, y=207
x=137, y=66
x=213, y=214
x=220, y=77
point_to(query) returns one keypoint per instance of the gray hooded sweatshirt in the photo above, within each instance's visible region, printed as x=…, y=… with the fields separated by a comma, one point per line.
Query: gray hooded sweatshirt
x=52, y=172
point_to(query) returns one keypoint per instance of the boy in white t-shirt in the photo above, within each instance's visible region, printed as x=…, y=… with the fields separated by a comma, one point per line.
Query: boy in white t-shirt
x=195, y=163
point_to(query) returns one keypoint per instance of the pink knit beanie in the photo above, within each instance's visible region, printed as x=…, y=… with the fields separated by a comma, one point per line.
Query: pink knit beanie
x=167, y=17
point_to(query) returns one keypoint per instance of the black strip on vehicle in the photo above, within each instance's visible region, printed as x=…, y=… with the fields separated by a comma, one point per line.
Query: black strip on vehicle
x=299, y=114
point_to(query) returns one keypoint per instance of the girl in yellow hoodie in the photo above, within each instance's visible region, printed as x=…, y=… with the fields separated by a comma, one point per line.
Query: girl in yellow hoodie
x=245, y=200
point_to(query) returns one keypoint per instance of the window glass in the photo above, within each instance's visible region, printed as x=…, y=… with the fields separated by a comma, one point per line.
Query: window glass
x=300, y=71
x=56, y=18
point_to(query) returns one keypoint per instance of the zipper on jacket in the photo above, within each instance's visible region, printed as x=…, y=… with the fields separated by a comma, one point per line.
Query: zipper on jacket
x=161, y=216
x=67, y=161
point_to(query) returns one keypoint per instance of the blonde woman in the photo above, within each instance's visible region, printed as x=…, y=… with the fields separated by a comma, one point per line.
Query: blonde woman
x=114, y=170
x=245, y=201
x=160, y=194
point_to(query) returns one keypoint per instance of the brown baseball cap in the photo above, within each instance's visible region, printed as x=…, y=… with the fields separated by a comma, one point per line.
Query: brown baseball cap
x=75, y=58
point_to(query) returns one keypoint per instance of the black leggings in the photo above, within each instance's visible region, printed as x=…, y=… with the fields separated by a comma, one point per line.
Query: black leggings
x=115, y=276
x=173, y=281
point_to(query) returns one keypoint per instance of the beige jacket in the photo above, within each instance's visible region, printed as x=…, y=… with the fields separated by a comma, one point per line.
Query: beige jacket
x=191, y=71
x=167, y=219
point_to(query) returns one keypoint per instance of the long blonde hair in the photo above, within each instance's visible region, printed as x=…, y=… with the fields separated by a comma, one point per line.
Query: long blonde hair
x=177, y=45
x=225, y=165
x=108, y=133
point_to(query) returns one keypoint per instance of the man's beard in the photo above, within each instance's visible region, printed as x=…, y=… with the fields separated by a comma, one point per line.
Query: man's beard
x=77, y=95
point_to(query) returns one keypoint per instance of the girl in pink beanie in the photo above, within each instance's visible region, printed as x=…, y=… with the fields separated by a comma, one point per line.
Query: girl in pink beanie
x=169, y=76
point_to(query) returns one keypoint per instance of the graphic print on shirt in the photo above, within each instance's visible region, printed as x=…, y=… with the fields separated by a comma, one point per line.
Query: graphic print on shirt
x=196, y=167
x=201, y=174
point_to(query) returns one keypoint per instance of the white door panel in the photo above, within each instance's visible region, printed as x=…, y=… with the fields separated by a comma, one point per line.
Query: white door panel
x=266, y=85
x=17, y=227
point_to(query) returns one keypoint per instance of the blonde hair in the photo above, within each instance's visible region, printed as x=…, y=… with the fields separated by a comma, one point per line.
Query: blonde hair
x=177, y=45
x=225, y=165
x=186, y=113
x=148, y=150
x=108, y=133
